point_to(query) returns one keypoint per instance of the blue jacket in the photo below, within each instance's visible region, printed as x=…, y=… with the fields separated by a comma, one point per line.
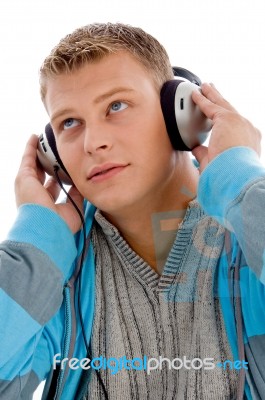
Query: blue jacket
x=39, y=292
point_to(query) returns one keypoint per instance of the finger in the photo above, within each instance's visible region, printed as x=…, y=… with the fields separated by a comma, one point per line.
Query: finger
x=53, y=188
x=200, y=153
x=206, y=106
x=28, y=165
x=29, y=157
x=212, y=94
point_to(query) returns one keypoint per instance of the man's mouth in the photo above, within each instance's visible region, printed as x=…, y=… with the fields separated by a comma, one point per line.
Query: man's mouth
x=101, y=172
x=104, y=172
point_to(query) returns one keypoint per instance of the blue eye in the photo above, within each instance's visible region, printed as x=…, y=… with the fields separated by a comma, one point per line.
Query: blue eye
x=70, y=123
x=117, y=106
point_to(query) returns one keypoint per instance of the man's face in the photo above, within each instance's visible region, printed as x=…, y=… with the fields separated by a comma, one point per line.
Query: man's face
x=110, y=132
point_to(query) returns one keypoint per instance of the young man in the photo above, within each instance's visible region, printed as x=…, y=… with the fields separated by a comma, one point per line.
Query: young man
x=158, y=310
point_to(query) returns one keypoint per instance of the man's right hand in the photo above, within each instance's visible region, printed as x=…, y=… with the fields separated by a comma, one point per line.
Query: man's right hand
x=30, y=188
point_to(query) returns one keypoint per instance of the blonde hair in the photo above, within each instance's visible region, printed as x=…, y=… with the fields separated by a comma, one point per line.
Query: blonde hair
x=93, y=42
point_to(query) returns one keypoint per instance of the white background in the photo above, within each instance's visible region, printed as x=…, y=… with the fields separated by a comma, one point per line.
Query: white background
x=221, y=41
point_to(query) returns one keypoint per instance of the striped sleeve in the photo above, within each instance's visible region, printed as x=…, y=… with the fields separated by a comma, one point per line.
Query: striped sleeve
x=35, y=261
x=232, y=190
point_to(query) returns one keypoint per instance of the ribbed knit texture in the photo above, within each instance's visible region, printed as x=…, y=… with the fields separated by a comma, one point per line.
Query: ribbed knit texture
x=173, y=315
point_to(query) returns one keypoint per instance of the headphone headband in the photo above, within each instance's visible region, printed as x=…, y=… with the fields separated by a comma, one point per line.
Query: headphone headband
x=185, y=73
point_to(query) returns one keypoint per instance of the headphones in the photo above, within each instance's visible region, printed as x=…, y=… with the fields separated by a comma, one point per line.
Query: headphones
x=186, y=125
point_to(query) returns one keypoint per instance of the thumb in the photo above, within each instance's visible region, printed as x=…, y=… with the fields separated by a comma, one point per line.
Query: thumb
x=200, y=152
x=201, y=155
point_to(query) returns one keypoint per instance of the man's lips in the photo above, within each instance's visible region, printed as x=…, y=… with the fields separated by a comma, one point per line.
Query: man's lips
x=105, y=171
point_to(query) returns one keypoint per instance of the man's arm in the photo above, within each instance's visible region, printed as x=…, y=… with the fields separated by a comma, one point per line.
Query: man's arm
x=232, y=182
x=35, y=261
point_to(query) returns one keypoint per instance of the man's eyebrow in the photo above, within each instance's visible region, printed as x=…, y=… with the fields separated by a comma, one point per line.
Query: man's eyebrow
x=60, y=114
x=98, y=99
x=111, y=92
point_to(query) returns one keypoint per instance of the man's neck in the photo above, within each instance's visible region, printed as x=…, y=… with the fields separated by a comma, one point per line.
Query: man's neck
x=151, y=230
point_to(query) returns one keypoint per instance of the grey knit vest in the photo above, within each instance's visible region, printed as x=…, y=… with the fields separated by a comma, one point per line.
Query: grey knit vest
x=175, y=316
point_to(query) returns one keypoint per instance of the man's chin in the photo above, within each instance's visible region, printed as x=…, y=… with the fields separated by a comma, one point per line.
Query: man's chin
x=115, y=207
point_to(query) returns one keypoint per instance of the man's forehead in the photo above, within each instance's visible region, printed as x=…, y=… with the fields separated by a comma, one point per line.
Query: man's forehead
x=100, y=80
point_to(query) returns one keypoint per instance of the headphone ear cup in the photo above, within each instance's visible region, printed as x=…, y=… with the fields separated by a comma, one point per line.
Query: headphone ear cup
x=49, y=157
x=167, y=99
x=186, y=125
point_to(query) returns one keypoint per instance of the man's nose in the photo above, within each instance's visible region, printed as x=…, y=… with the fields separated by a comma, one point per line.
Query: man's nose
x=96, y=139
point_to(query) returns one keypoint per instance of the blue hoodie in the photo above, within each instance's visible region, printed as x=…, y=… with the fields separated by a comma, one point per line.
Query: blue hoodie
x=39, y=313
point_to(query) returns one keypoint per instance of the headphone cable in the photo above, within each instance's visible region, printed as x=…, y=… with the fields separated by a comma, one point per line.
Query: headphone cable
x=79, y=277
